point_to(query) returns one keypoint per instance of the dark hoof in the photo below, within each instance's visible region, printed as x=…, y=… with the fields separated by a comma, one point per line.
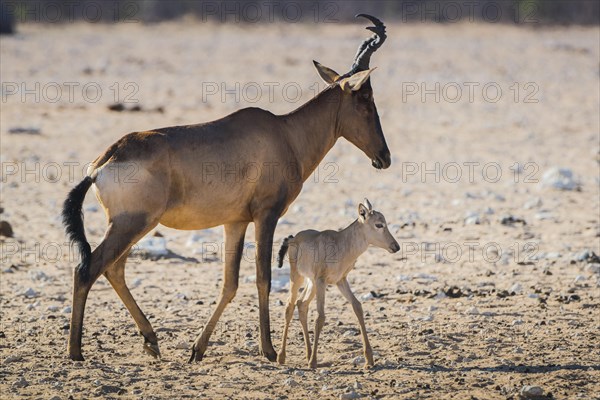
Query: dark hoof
x=196, y=356
x=152, y=349
x=271, y=355
x=76, y=357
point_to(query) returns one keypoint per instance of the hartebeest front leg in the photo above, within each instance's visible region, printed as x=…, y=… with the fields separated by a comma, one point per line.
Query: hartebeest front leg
x=344, y=287
x=265, y=229
x=320, y=321
x=234, y=246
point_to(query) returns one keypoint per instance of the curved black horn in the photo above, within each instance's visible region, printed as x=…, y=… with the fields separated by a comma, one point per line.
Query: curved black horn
x=370, y=45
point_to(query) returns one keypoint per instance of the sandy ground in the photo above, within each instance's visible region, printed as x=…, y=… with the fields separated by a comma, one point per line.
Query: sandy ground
x=528, y=308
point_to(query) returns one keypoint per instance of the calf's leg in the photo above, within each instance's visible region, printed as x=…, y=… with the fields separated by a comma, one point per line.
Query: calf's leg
x=344, y=287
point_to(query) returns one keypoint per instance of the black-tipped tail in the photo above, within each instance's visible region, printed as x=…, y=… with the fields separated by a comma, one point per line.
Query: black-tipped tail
x=283, y=250
x=72, y=217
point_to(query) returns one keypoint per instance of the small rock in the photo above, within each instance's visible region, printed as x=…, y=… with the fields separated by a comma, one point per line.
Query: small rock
x=107, y=389
x=367, y=296
x=586, y=256
x=20, y=383
x=182, y=345
x=66, y=310
x=472, y=218
x=579, y=278
x=53, y=308
x=533, y=203
x=290, y=382
x=360, y=360
x=37, y=275
x=24, y=131
x=543, y=215
x=29, y=293
x=6, y=229
x=136, y=283
x=511, y=220
x=350, y=395
x=531, y=392
x=560, y=178
x=516, y=288
x=472, y=311
x=517, y=322
x=594, y=268
x=11, y=359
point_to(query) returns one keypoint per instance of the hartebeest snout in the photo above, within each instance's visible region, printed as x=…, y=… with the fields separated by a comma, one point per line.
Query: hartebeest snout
x=318, y=259
x=201, y=176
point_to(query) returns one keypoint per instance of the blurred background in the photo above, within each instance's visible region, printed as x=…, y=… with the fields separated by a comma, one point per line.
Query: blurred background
x=252, y=11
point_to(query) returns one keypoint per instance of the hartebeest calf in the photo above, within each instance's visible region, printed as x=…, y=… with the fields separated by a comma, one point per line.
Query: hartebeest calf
x=326, y=258
x=201, y=176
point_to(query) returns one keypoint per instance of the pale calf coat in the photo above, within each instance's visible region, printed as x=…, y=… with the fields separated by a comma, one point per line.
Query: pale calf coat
x=325, y=258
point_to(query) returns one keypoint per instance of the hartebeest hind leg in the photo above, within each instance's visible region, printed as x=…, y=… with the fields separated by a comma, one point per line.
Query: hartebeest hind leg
x=308, y=294
x=234, y=246
x=320, y=321
x=116, y=276
x=296, y=281
x=265, y=229
x=122, y=233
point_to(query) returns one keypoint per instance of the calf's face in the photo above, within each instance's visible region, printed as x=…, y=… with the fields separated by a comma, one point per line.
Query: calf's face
x=376, y=229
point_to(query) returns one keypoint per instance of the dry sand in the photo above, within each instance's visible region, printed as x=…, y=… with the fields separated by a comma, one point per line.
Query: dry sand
x=486, y=343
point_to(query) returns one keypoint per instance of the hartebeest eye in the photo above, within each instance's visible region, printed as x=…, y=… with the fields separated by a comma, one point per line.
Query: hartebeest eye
x=378, y=226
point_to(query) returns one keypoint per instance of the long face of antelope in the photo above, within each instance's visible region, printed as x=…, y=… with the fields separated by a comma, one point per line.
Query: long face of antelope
x=376, y=229
x=363, y=128
x=357, y=116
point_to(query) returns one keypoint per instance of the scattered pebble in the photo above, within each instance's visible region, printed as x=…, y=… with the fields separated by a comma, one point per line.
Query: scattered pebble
x=53, y=308
x=560, y=178
x=516, y=288
x=29, y=293
x=533, y=203
x=37, y=275
x=290, y=382
x=24, y=131
x=511, y=220
x=11, y=359
x=6, y=229
x=182, y=345
x=531, y=392
x=586, y=256
x=593, y=268
x=360, y=360
x=543, y=215
x=152, y=246
x=20, y=383
x=66, y=310
x=472, y=218
x=472, y=311
x=350, y=395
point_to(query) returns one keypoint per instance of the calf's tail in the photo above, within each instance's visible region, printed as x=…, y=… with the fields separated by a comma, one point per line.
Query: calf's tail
x=283, y=250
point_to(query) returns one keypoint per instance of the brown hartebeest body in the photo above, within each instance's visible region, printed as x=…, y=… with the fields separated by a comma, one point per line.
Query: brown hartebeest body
x=246, y=167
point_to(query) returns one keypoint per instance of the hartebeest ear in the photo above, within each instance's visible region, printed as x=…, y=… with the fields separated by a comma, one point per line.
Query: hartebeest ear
x=354, y=82
x=363, y=212
x=327, y=74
